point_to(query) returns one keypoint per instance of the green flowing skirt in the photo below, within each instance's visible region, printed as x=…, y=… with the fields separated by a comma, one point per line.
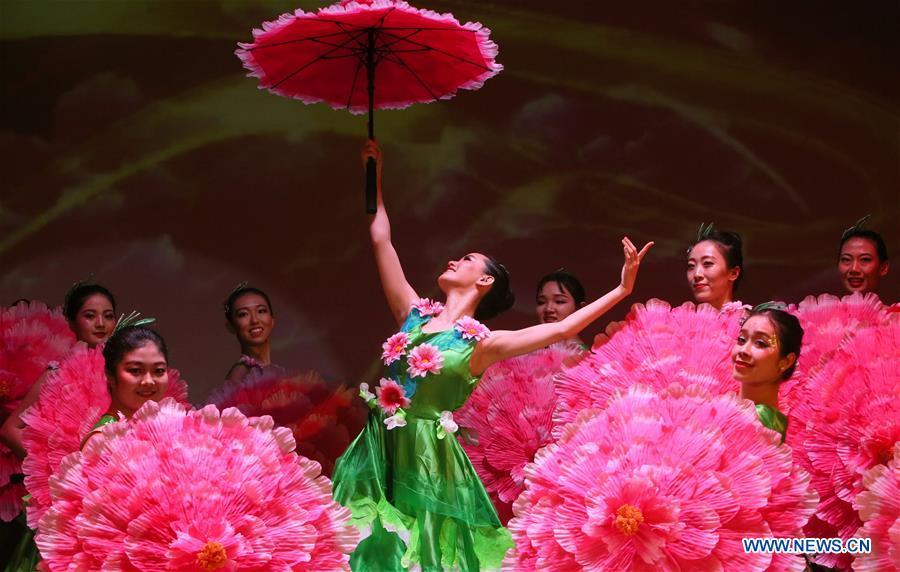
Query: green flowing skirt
x=422, y=498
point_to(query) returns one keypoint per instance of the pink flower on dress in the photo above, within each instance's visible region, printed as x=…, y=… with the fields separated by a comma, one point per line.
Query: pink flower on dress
x=394, y=347
x=396, y=420
x=391, y=396
x=365, y=393
x=446, y=425
x=471, y=329
x=428, y=307
x=425, y=359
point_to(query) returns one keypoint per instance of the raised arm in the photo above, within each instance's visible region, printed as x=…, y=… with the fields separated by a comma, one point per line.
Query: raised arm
x=399, y=294
x=503, y=344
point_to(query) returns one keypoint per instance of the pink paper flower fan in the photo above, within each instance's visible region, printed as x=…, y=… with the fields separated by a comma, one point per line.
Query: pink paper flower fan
x=31, y=336
x=424, y=359
x=509, y=417
x=828, y=322
x=656, y=345
x=193, y=490
x=71, y=401
x=324, y=417
x=879, y=509
x=667, y=480
x=850, y=427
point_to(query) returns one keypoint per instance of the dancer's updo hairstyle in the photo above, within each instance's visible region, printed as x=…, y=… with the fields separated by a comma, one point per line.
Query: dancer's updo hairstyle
x=730, y=246
x=499, y=298
x=567, y=280
x=127, y=339
x=80, y=292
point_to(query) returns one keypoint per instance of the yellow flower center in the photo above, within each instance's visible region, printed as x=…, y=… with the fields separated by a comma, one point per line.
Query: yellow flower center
x=628, y=519
x=212, y=556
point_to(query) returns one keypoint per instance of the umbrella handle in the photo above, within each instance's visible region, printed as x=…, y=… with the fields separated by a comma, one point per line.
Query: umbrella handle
x=371, y=187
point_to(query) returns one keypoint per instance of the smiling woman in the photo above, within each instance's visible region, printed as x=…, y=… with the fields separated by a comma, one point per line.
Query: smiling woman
x=137, y=371
x=249, y=316
x=715, y=266
x=863, y=260
x=764, y=355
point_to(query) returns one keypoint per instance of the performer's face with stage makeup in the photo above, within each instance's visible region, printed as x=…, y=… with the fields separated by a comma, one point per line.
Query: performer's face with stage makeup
x=859, y=265
x=709, y=277
x=554, y=302
x=140, y=376
x=756, y=355
x=468, y=271
x=251, y=319
x=94, y=321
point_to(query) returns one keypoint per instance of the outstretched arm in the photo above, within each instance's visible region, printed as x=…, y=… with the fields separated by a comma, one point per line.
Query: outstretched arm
x=508, y=343
x=399, y=294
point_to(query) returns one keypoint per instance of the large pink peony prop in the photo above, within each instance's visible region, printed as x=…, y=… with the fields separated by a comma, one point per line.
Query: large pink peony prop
x=31, y=337
x=509, y=417
x=71, y=401
x=193, y=490
x=879, y=509
x=323, y=417
x=828, y=322
x=848, y=424
x=660, y=481
x=656, y=345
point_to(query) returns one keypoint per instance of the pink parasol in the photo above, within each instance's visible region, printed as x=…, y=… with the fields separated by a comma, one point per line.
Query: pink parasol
x=418, y=56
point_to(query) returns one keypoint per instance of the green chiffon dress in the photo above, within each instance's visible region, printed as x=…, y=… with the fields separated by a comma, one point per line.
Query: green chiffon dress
x=414, y=484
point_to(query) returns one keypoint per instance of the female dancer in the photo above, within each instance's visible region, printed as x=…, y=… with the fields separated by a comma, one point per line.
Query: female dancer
x=764, y=355
x=405, y=474
x=558, y=295
x=249, y=316
x=862, y=258
x=715, y=266
x=136, y=370
x=90, y=310
x=136, y=364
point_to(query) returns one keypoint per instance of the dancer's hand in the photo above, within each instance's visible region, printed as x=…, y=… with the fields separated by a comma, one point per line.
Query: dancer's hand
x=371, y=149
x=633, y=260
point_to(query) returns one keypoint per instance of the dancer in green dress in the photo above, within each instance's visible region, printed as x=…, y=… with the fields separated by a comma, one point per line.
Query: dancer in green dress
x=764, y=355
x=405, y=475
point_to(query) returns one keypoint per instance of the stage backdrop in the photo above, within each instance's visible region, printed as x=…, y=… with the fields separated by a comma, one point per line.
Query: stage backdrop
x=135, y=150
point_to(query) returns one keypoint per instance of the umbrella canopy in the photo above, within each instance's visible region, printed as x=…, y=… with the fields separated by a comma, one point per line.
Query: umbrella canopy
x=335, y=55
x=420, y=55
